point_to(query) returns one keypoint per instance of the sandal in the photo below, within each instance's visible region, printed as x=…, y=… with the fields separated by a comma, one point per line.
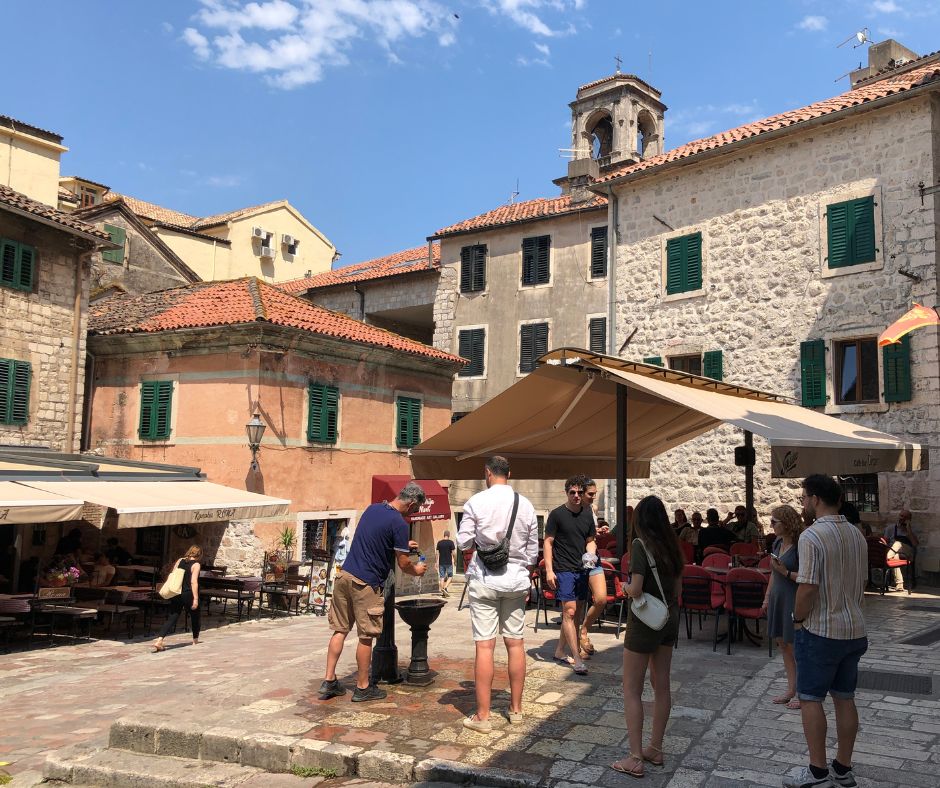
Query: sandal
x=586, y=644
x=621, y=766
x=566, y=660
x=655, y=761
x=158, y=648
x=794, y=704
x=781, y=699
x=584, y=653
x=581, y=669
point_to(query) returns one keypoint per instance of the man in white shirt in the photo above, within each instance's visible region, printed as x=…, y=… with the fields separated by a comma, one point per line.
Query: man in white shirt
x=903, y=543
x=497, y=598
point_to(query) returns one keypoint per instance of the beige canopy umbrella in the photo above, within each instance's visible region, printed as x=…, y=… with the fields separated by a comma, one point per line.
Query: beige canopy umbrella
x=562, y=418
x=142, y=504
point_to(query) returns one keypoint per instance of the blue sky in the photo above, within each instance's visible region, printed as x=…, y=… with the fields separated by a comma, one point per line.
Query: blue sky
x=383, y=120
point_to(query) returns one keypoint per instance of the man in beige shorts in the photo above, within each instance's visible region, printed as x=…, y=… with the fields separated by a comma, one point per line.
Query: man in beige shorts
x=358, y=589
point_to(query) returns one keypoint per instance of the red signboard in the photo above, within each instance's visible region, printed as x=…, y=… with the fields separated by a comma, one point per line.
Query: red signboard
x=435, y=507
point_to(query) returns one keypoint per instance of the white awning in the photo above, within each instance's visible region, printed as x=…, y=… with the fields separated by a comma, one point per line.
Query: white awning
x=22, y=504
x=561, y=420
x=142, y=504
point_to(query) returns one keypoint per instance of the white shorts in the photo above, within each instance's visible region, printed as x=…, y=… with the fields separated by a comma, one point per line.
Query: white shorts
x=496, y=612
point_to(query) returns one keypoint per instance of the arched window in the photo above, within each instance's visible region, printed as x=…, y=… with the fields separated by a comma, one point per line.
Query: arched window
x=645, y=132
x=602, y=137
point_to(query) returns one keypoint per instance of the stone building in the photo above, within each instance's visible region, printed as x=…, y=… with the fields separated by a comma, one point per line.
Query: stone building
x=396, y=291
x=177, y=375
x=44, y=302
x=773, y=255
x=523, y=278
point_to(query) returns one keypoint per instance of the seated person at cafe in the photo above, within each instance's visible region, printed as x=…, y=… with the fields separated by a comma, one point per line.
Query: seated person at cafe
x=715, y=533
x=743, y=528
x=70, y=543
x=902, y=542
x=117, y=555
x=689, y=532
x=103, y=573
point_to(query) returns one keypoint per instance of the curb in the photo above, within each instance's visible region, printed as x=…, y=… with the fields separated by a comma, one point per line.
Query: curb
x=277, y=753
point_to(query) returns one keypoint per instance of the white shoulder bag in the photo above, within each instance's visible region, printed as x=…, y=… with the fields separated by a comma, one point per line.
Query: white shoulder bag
x=651, y=611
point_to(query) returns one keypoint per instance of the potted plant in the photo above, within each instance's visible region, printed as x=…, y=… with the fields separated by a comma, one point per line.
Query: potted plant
x=286, y=540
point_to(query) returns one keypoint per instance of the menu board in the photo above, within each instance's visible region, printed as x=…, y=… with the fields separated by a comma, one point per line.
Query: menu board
x=321, y=579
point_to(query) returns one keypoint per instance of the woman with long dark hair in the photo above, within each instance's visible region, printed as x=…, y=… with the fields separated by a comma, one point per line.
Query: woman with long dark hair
x=654, y=546
x=188, y=599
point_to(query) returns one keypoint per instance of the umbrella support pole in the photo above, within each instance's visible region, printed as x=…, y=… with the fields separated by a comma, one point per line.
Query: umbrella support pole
x=622, y=524
x=749, y=473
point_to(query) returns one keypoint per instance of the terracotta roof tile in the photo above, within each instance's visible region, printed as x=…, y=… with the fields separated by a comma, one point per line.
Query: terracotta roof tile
x=66, y=196
x=13, y=199
x=239, y=302
x=149, y=210
x=530, y=210
x=891, y=84
x=404, y=262
x=222, y=218
x=13, y=123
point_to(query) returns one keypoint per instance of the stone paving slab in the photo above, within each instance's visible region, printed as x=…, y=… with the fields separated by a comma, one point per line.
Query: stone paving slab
x=261, y=678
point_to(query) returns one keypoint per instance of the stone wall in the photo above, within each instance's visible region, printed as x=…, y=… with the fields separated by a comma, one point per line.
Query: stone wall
x=767, y=288
x=37, y=327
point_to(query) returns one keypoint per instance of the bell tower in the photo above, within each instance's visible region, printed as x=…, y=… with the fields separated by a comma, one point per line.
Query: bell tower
x=616, y=120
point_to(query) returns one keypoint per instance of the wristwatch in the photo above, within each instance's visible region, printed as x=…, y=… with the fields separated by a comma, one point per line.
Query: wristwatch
x=796, y=620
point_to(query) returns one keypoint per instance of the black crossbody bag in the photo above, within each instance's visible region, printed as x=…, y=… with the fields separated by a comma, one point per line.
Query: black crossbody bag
x=495, y=558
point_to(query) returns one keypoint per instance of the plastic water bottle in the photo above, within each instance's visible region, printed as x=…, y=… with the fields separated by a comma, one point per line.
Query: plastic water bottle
x=417, y=580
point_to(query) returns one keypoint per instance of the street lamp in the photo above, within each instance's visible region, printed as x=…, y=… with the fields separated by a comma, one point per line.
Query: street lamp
x=255, y=429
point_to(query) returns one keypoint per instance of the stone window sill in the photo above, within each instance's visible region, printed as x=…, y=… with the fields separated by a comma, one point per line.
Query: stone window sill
x=871, y=407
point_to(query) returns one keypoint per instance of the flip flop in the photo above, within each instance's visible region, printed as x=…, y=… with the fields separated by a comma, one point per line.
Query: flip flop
x=794, y=704
x=567, y=661
x=636, y=771
x=782, y=699
x=581, y=670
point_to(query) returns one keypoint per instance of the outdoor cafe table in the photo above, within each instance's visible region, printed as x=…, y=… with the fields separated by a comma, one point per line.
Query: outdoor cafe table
x=720, y=575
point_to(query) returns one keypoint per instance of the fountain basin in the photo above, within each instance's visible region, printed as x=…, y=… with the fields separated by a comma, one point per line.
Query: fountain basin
x=419, y=614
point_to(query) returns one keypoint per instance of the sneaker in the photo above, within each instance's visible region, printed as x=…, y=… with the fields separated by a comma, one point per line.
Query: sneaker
x=331, y=689
x=847, y=779
x=369, y=693
x=805, y=779
x=480, y=726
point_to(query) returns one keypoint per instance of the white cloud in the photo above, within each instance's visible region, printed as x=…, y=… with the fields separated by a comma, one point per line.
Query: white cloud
x=885, y=6
x=223, y=181
x=528, y=13
x=198, y=42
x=813, y=23
x=707, y=119
x=888, y=32
x=543, y=48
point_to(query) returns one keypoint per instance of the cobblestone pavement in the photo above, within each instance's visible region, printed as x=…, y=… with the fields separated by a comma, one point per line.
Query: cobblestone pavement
x=263, y=676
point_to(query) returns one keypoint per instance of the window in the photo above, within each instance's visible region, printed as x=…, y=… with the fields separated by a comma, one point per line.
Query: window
x=118, y=236
x=322, y=413
x=535, y=260
x=408, y=433
x=14, y=391
x=690, y=364
x=850, y=230
x=856, y=371
x=17, y=265
x=471, y=344
x=455, y=417
x=598, y=252
x=896, y=364
x=597, y=335
x=656, y=361
x=684, y=264
x=813, y=373
x=473, y=268
x=533, y=342
x=156, y=402
x=861, y=490
x=88, y=196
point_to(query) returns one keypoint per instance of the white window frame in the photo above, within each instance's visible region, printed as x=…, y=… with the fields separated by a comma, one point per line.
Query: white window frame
x=486, y=350
x=587, y=329
x=551, y=264
x=170, y=440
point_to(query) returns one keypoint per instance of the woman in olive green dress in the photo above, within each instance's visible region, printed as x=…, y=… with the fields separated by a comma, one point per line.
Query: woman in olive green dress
x=654, y=545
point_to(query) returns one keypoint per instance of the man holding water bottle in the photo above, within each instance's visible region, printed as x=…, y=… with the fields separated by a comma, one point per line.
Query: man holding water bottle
x=358, y=598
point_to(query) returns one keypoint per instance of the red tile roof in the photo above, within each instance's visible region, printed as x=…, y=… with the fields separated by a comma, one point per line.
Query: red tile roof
x=405, y=262
x=149, y=210
x=891, y=84
x=13, y=199
x=222, y=218
x=530, y=210
x=18, y=125
x=240, y=302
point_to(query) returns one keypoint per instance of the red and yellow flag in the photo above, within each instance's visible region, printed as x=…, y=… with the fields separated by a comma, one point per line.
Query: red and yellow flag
x=918, y=317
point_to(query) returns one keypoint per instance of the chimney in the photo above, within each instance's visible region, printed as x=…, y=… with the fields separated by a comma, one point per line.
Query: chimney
x=886, y=55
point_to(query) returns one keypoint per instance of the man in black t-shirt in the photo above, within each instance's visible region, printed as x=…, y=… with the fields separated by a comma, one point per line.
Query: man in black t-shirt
x=569, y=533
x=445, y=562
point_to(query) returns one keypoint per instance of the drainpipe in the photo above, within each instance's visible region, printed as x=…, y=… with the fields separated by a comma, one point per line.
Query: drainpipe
x=84, y=261
x=362, y=302
x=612, y=204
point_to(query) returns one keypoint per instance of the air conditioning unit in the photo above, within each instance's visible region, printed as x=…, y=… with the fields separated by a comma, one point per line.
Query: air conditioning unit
x=267, y=251
x=288, y=240
x=258, y=232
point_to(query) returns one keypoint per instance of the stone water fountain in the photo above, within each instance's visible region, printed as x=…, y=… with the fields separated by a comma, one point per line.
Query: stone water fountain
x=419, y=614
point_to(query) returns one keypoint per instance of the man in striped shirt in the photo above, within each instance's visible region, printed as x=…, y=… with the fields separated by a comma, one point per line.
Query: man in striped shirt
x=830, y=631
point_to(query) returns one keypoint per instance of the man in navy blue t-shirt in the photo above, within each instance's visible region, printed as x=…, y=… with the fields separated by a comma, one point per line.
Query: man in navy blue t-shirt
x=381, y=536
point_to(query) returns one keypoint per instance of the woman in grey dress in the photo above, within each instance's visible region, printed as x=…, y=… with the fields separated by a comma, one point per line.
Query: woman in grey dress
x=781, y=593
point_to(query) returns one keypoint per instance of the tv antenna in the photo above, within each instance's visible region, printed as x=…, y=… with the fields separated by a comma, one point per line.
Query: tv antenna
x=514, y=194
x=863, y=36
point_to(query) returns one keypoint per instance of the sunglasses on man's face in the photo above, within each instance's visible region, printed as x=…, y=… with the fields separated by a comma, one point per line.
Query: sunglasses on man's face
x=575, y=492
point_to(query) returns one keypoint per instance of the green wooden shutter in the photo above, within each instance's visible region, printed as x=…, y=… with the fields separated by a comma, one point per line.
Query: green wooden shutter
x=654, y=360
x=6, y=389
x=466, y=269
x=528, y=261
x=118, y=236
x=713, y=365
x=896, y=366
x=813, y=372
x=415, y=436
x=542, y=258
x=471, y=346
x=693, y=262
x=863, y=230
x=540, y=341
x=479, y=267
x=526, y=358
x=26, y=267
x=332, y=414
x=17, y=265
x=156, y=403
x=148, y=393
x=597, y=335
x=8, y=263
x=19, y=400
x=674, y=260
x=408, y=415
x=837, y=230
x=322, y=413
x=598, y=252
